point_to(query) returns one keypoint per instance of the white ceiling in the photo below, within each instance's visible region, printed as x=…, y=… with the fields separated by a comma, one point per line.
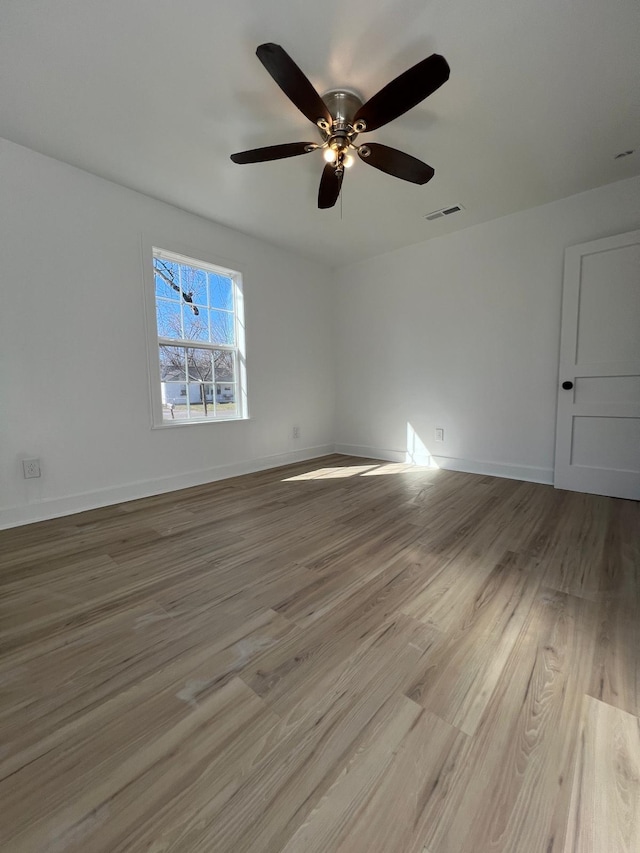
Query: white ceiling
x=156, y=94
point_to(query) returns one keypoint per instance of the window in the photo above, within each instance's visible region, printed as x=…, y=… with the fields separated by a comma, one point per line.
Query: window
x=198, y=341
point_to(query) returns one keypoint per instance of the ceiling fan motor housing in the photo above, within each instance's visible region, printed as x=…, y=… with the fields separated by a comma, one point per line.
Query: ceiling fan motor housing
x=343, y=104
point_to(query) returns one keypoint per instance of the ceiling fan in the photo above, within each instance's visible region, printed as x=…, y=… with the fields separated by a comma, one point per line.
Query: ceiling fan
x=340, y=116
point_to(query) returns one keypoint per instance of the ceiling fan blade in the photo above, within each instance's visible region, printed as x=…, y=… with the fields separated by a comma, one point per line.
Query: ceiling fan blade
x=395, y=163
x=330, y=184
x=293, y=82
x=404, y=92
x=274, y=152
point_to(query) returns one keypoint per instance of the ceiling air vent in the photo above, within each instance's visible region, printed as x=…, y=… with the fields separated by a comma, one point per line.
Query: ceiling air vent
x=444, y=211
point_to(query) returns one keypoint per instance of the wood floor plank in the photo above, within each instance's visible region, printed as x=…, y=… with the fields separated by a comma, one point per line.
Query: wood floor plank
x=339, y=581
x=574, y=561
x=321, y=728
x=616, y=668
x=605, y=802
x=159, y=765
x=95, y=694
x=479, y=635
x=512, y=791
x=278, y=674
x=361, y=775
x=415, y=779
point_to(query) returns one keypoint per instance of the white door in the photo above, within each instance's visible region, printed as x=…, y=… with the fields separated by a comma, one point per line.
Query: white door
x=598, y=426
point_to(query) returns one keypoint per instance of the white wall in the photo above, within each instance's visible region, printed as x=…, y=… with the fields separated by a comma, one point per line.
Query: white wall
x=462, y=332
x=73, y=374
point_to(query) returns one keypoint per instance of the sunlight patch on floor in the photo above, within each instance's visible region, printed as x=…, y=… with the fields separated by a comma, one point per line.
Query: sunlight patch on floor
x=397, y=468
x=380, y=470
x=332, y=473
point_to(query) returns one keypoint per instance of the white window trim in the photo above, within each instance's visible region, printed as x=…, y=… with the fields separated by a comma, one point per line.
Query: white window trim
x=182, y=254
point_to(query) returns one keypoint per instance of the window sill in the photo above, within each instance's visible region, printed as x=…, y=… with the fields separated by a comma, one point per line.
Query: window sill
x=185, y=423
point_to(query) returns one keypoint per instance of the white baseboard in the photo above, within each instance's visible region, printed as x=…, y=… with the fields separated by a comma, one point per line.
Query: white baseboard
x=56, y=507
x=528, y=473
x=371, y=452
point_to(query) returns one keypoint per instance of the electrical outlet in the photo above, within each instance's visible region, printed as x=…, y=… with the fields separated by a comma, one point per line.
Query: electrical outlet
x=31, y=468
x=439, y=434
x=295, y=432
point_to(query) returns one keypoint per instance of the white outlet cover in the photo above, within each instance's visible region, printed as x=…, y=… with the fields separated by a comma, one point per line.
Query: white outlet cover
x=439, y=434
x=31, y=468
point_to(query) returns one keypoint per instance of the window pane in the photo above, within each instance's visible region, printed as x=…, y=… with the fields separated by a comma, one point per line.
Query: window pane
x=194, y=283
x=224, y=367
x=201, y=403
x=228, y=410
x=227, y=406
x=172, y=365
x=165, y=272
x=222, y=328
x=169, y=322
x=196, y=325
x=220, y=291
x=178, y=411
x=199, y=365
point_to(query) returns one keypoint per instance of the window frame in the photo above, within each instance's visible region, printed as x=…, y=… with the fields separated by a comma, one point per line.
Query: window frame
x=152, y=249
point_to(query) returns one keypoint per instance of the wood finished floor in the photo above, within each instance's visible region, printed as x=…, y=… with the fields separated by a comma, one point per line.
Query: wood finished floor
x=340, y=655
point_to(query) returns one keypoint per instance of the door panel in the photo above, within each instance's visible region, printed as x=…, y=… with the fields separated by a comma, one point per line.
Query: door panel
x=598, y=426
x=608, y=301
x=606, y=443
x=606, y=389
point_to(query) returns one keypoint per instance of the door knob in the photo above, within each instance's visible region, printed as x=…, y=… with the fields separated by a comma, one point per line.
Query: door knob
x=567, y=385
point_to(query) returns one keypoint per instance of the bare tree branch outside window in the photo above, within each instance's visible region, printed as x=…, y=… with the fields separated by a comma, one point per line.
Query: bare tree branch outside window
x=166, y=273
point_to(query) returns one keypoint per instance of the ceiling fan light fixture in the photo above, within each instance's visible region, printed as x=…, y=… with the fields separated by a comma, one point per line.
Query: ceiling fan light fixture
x=340, y=116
